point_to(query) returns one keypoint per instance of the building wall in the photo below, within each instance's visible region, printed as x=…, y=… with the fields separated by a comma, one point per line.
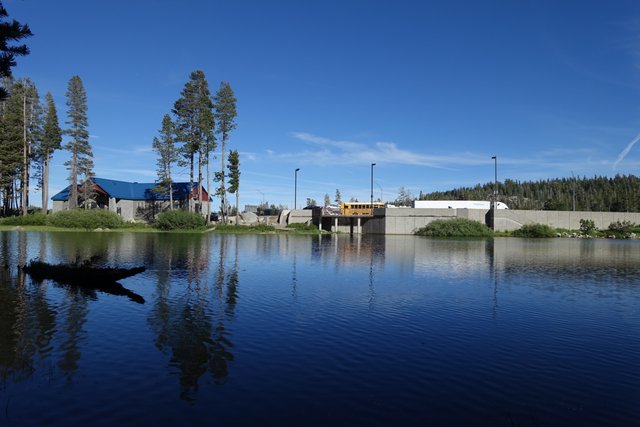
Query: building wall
x=126, y=209
x=59, y=206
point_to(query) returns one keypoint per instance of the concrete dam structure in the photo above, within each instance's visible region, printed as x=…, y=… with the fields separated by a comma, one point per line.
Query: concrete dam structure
x=406, y=221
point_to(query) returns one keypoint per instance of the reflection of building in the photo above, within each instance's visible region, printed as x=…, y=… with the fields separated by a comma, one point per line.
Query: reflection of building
x=132, y=200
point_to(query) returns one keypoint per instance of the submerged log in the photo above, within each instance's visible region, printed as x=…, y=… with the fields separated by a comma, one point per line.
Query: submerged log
x=86, y=276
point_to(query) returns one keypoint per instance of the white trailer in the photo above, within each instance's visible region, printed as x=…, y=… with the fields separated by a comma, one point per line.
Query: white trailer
x=456, y=204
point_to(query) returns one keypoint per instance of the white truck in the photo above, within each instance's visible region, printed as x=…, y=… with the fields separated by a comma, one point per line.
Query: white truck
x=456, y=204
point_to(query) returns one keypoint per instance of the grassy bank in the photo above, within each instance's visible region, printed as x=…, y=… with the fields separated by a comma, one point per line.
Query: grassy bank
x=172, y=221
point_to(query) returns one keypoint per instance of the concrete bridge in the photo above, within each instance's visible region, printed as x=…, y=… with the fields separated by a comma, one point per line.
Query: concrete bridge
x=408, y=220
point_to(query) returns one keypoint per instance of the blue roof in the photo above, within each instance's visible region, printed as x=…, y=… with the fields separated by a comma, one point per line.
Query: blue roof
x=132, y=190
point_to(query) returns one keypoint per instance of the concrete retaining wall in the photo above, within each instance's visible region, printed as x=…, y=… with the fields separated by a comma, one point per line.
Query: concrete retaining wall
x=408, y=220
x=508, y=220
x=300, y=216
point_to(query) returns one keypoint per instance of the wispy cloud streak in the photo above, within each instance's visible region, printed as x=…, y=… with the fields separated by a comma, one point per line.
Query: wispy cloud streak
x=624, y=152
x=349, y=152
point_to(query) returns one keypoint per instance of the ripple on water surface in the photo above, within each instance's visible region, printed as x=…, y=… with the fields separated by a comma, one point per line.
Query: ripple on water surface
x=317, y=331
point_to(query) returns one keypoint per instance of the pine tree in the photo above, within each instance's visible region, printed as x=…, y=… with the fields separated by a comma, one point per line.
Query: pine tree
x=81, y=163
x=51, y=139
x=194, y=126
x=21, y=129
x=338, y=198
x=234, y=178
x=31, y=134
x=167, y=155
x=10, y=32
x=11, y=147
x=225, y=106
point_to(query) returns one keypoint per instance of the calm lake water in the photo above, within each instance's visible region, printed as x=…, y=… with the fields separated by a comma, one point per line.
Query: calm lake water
x=301, y=330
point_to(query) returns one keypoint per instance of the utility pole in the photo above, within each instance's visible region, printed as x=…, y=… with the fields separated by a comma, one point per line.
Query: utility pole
x=494, y=205
x=295, y=188
x=574, y=191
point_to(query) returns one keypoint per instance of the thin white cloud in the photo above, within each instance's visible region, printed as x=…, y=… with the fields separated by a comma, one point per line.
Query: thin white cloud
x=624, y=152
x=340, y=152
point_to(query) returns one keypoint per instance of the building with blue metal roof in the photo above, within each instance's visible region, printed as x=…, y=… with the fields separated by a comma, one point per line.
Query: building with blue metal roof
x=133, y=200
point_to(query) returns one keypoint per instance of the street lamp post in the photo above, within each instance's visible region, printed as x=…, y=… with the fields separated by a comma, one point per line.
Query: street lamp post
x=295, y=188
x=494, y=205
x=372, y=165
x=574, y=191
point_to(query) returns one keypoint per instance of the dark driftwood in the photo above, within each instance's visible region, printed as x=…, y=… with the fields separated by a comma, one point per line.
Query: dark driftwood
x=86, y=276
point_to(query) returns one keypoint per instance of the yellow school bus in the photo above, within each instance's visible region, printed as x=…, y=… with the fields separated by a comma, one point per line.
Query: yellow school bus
x=359, y=208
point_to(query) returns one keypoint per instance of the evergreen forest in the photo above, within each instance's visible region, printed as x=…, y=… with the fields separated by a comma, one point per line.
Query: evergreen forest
x=618, y=194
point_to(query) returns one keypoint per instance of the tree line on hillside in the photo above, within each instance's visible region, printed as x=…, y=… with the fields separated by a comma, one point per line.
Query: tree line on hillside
x=618, y=194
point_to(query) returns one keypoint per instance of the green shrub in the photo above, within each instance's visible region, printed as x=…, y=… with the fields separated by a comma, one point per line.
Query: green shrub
x=621, y=226
x=622, y=229
x=535, y=230
x=458, y=227
x=87, y=219
x=31, y=219
x=587, y=226
x=179, y=220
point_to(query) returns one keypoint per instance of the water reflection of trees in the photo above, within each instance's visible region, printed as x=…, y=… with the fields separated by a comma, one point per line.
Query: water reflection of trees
x=44, y=320
x=28, y=321
x=27, y=325
x=190, y=316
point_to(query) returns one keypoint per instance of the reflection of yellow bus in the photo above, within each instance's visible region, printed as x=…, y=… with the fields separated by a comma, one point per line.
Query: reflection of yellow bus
x=359, y=208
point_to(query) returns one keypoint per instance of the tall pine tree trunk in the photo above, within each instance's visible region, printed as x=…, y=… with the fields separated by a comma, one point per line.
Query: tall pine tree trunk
x=223, y=186
x=191, y=183
x=25, y=158
x=200, y=180
x=45, y=183
x=73, y=198
x=170, y=187
x=237, y=207
x=209, y=187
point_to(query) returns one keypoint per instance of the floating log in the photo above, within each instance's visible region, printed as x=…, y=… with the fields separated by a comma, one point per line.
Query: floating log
x=86, y=276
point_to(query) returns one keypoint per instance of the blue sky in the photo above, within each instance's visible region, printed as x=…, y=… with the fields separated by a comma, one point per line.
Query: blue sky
x=427, y=90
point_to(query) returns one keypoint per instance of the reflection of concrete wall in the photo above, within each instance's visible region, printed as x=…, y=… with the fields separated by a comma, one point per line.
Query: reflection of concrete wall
x=591, y=257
